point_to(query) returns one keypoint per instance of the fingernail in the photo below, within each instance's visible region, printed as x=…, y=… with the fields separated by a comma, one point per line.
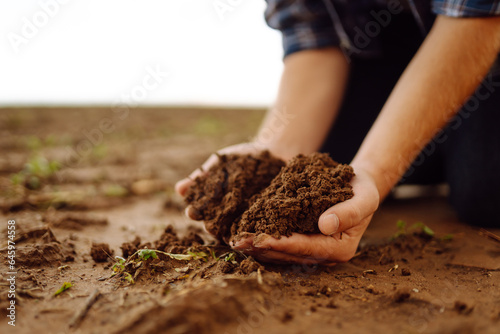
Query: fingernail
x=330, y=224
x=237, y=244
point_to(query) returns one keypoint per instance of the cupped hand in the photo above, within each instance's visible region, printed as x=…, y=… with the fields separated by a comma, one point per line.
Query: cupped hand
x=341, y=226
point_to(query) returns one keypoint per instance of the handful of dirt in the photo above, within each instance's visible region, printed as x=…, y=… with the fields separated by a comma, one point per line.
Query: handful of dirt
x=247, y=194
x=225, y=191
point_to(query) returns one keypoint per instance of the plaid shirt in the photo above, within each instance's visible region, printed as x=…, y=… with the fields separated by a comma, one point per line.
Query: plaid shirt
x=313, y=24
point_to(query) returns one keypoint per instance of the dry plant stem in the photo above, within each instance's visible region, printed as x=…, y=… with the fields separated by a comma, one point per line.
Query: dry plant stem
x=489, y=235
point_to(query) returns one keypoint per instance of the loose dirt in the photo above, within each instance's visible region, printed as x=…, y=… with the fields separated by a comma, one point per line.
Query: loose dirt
x=221, y=195
x=247, y=194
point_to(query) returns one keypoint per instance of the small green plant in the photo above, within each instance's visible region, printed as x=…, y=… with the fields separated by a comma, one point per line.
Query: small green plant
x=403, y=230
x=447, y=237
x=119, y=266
x=214, y=256
x=426, y=229
x=128, y=277
x=35, y=170
x=231, y=257
x=64, y=287
x=145, y=254
x=198, y=256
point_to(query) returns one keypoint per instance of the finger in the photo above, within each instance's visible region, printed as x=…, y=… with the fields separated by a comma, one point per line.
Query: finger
x=244, y=245
x=182, y=186
x=272, y=256
x=192, y=213
x=344, y=216
x=312, y=246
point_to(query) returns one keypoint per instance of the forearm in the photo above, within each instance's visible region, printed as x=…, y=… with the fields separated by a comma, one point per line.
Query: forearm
x=450, y=64
x=310, y=93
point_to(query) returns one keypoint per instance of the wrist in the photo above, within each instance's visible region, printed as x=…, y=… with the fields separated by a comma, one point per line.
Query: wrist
x=383, y=178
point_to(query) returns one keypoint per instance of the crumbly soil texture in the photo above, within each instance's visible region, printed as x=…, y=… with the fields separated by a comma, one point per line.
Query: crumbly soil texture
x=244, y=194
x=108, y=222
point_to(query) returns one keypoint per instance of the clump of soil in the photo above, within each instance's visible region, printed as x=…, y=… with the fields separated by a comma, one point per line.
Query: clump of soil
x=38, y=246
x=225, y=191
x=100, y=252
x=245, y=194
x=297, y=196
x=34, y=255
x=168, y=242
x=249, y=265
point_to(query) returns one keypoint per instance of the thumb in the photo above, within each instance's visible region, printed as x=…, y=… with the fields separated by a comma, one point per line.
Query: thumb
x=346, y=215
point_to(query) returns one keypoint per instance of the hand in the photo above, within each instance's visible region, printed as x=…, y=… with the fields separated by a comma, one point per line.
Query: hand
x=342, y=227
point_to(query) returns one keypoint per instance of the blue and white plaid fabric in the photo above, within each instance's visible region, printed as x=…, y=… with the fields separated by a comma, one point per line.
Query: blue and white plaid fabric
x=307, y=24
x=466, y=8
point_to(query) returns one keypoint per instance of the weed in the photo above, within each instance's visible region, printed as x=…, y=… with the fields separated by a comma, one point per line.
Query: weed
x=426, y=229
x=64, y=287
x=198, y=256
x=403, y=230
x=447, y=237
x=119, y=266
x=214, y=256
x=231, y=257
x=35, y=171
x=145, y=254
x=128, y=277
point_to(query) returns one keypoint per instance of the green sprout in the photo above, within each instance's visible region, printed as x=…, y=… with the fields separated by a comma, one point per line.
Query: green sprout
x=426, y=229
x=214, y=256
x=35, y=170
x=119, y=265
x=231, y=257
x=403, y=230
x=447, y=237
x=401, y=225
x=129, y=278
x=64, y=287
x=199, y=256
x=145, y=254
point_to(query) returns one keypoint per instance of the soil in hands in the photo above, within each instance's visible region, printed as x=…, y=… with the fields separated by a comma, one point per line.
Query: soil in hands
x=226, y=190
x=246, y=194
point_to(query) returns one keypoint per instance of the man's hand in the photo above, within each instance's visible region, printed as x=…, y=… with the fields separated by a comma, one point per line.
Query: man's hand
x=341, y=226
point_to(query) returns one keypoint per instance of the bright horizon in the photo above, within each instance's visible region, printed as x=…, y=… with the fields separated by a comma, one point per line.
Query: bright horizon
x=180, y=52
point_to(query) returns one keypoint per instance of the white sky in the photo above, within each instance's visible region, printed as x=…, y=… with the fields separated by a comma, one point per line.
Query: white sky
x=95, y=51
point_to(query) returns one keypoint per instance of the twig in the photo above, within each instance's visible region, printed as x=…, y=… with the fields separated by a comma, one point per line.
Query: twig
x=489, y=235
x=78, y=317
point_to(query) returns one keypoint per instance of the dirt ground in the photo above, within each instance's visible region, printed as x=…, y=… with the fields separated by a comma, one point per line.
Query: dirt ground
x=71, y=178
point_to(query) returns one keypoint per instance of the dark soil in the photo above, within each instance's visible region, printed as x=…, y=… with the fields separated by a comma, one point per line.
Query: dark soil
x=101, y=252
x=297, y=196
x=237, y=196
x=168, y=242
x=221, y=195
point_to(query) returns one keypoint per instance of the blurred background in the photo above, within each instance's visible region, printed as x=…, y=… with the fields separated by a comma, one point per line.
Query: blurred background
x=154, y=52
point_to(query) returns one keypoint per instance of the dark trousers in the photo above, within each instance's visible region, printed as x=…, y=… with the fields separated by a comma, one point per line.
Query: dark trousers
x=466, y=155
